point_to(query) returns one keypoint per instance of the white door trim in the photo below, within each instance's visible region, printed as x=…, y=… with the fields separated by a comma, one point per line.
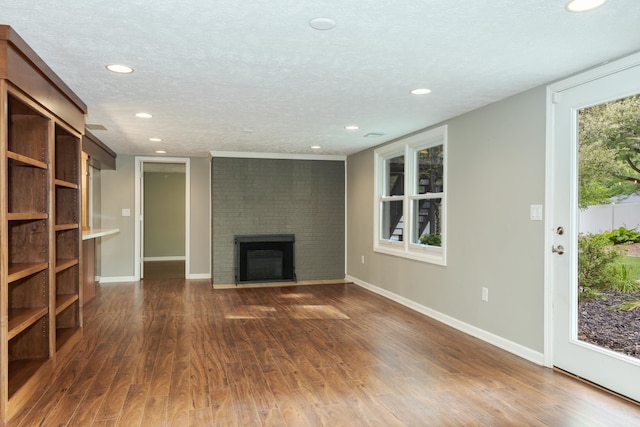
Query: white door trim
x=138, y=204
x=553, y=91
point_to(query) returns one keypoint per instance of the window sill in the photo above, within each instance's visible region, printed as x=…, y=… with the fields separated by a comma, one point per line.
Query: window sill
x=428, y=255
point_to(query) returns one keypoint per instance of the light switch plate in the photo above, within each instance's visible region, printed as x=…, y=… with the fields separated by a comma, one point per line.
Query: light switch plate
x=536, y=212
x=126, y=212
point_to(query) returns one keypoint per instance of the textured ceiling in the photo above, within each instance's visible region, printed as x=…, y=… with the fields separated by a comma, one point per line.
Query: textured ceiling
x=254, y=76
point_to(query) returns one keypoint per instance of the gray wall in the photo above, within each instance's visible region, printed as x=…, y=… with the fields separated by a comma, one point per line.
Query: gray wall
x=96, y=194
x=271, y=196
x=118, y=192
x=164, y=214
x=496, y=169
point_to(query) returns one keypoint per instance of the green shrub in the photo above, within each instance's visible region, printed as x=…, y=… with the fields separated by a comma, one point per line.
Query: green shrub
x=431, y=239
x=600, y=267
x=622, y=235
x=628, y=283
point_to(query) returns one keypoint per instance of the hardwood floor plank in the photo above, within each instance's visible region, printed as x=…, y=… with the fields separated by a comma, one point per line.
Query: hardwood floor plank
x=175, y=352
x=118, y=390
x=246, y=412
x=155, y=412
x=134, y=405
x=161, y=377
x=87, y=410
x=199, y=383
x=179, y=399
x=60, y=415
x=221, y=403
x=200, y=417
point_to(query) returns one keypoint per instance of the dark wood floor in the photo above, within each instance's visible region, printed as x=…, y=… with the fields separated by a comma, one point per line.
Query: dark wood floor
x=164, y=270
x=172, y=352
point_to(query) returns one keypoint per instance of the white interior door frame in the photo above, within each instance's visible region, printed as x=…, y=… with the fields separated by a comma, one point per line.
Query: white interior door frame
x=553, y=91
x=139, y=163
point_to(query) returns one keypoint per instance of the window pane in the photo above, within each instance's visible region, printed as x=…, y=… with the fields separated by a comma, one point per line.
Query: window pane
x=430, y=170
x=392, y=226
x=427, y=228
x=395, y=176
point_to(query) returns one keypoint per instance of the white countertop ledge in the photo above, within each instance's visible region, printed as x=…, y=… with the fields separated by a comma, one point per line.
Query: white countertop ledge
x=93, y=233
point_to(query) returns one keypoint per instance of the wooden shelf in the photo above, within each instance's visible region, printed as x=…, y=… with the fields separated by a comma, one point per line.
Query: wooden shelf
x=27, y=216
x=21, y=318
x=61, y=183
x=64, y=301
x=26, y=161
x=21, y=371
x=63, y=264
x=22, y=270
x=66, y=336
x=63, y=227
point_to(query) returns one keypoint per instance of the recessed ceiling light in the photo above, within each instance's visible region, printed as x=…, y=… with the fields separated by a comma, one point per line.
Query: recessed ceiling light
x=421, y=91
x=316, y=147
x=94, y=126
x=155, y=139
x=120, y=68
x=144, y=115
x=322, y=24
x=352, y=127
x=161, y=152
x=584, y=5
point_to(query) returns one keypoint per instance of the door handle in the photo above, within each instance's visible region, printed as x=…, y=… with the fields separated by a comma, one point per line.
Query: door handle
x=559, y=249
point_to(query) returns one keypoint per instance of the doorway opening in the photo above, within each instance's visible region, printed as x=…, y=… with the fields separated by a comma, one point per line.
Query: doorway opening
x=162, y=209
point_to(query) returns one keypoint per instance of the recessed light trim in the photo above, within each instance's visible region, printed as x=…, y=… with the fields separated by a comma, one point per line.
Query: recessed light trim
x=421, y=91
x=119, y=68
x=161, y=152
x=94, y=126
x=352, y=127
x=155, y=139
x=322, y=24
x=144, y=115
x=316, y=147
x=577, y=6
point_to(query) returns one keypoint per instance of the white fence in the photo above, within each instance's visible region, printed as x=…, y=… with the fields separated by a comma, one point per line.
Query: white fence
x=596, y=219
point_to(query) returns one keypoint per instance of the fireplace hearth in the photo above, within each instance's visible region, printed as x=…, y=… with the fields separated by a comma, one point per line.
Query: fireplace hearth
x=264, y=258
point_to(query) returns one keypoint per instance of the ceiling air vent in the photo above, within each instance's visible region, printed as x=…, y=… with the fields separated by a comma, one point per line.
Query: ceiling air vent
x=94, y=126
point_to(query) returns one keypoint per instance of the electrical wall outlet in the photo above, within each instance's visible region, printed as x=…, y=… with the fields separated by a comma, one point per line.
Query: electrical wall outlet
x=485, y=294
x=362, y=259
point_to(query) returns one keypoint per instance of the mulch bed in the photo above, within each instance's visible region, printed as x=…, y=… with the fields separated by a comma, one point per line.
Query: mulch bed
x=615, y=330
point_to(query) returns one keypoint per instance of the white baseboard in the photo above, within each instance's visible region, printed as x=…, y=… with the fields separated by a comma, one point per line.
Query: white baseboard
x=164, y=258
x=510, y=346
x=199, y=276
x=114, y=279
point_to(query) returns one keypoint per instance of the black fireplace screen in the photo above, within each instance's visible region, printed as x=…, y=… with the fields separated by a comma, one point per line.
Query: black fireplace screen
x=264, y=258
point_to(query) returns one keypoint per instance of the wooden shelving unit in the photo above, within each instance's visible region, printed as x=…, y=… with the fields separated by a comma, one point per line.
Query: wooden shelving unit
x=68, y=241
x=40, y=241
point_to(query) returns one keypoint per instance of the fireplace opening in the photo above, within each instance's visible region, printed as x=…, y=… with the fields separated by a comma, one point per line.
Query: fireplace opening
x=264, y=258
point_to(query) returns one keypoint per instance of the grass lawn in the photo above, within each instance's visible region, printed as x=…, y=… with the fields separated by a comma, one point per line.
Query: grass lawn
x=634, y=263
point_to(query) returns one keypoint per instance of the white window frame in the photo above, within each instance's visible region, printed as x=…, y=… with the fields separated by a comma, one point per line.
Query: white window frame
x=409, y=147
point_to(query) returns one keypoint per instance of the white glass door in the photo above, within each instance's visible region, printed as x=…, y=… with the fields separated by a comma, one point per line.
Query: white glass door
x=574, y=104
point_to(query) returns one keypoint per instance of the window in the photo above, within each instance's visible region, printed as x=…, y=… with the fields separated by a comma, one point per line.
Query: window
x=410, y=201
